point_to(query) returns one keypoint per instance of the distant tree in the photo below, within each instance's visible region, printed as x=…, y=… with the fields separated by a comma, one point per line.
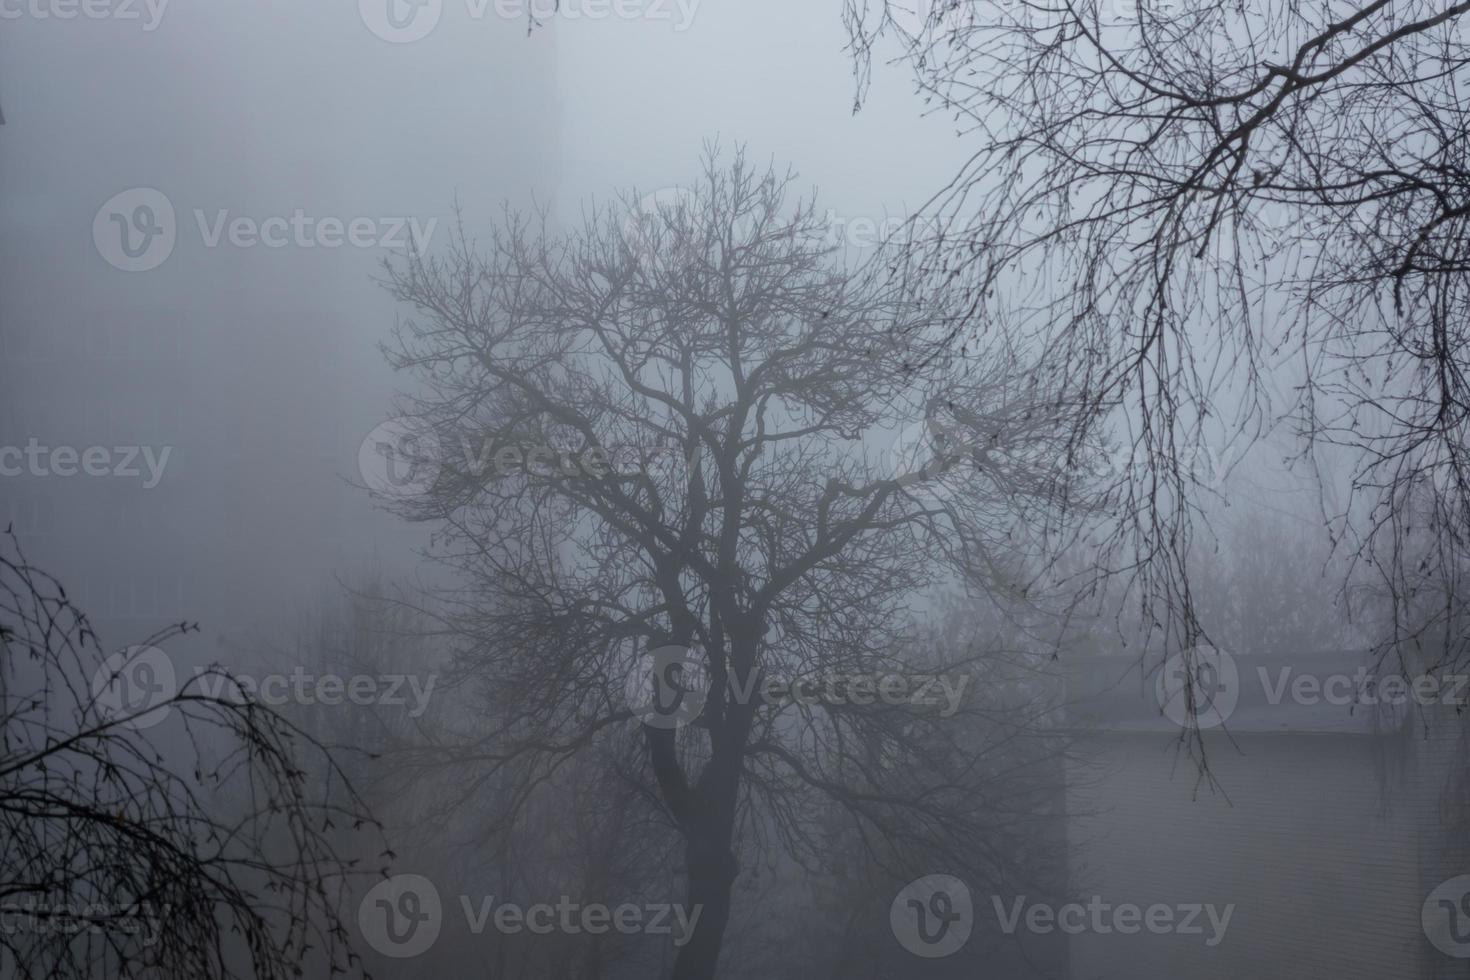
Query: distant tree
x=771, y=541
x=1218, y=220
x=1421, y=602
x=196, y=849
x=1265, y=588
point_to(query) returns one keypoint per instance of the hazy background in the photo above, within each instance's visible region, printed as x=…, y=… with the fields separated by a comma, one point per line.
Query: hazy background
x=258, y=367
x=258, y=371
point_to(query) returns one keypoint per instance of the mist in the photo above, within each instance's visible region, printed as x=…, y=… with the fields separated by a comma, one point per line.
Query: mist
x=684, y=488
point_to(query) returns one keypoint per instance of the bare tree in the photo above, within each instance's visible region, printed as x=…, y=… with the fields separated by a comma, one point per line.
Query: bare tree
x=1196, y=206
x=124, y=856
x=693, y=397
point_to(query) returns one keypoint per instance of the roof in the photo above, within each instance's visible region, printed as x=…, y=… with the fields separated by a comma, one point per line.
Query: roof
x=1330, y=691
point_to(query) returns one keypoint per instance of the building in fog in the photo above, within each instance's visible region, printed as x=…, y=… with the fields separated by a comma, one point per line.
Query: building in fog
x=1327, y=828
x=254, y=367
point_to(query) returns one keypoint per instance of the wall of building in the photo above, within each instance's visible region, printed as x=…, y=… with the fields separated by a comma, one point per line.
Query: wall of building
x=256, y=367
x=1325, y=843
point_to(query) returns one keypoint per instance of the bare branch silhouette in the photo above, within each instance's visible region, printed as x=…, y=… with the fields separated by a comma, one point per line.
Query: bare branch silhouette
x=128, y=856
x=736, y=388
x=1217, y=221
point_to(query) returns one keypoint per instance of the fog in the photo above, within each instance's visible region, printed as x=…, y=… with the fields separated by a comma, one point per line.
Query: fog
x=279, y=283
x=269, y=376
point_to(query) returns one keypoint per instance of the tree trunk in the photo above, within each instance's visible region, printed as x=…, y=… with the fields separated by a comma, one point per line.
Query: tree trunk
x=707, y=818
x=711, y=869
